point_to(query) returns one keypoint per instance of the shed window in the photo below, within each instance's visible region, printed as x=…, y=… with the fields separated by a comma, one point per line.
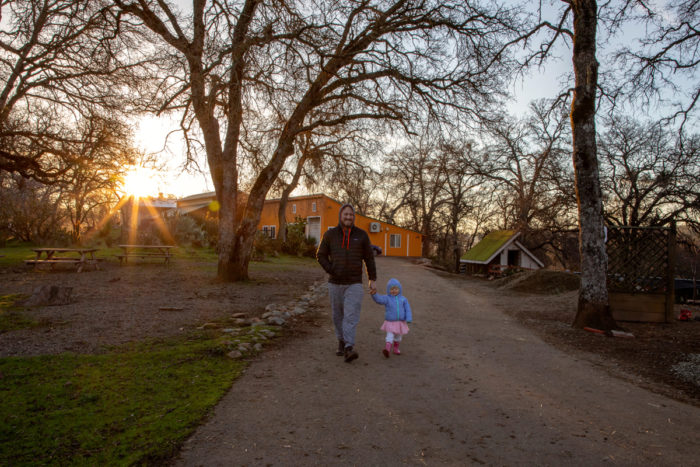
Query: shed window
x=294, y=208
x=313, y=206
x=395, y=241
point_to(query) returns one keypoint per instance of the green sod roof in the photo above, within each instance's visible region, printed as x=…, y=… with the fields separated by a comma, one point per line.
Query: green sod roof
x=488, y=246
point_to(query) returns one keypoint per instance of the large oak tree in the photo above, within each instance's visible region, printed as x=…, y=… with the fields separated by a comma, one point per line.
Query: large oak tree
x=305, y=66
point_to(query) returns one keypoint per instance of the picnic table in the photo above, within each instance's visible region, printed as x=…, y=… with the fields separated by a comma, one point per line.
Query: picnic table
x=145, y=251
x=53, y=256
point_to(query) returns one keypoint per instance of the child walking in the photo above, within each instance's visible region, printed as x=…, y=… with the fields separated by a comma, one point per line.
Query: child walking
x=397, y=312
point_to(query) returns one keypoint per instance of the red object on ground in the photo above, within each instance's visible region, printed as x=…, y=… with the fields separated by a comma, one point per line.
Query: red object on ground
x=594, y=330
x=685, y=315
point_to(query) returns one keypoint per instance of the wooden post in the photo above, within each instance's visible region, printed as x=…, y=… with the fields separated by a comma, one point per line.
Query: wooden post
x=670, y=273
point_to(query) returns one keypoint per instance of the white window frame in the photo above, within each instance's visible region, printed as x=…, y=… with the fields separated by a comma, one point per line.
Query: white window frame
x=395, y=240
x=294, y=208
x=313, y=206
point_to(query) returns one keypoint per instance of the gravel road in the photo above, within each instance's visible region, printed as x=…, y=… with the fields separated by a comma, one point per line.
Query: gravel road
x=472, y=387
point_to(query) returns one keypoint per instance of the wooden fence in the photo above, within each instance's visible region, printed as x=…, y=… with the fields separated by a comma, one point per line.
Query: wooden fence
x=640, y=273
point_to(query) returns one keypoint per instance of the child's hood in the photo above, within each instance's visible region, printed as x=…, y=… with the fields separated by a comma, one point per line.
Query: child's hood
x=393, y=283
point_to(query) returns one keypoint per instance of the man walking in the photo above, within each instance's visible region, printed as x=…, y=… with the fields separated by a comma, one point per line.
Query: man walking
x=341, y=253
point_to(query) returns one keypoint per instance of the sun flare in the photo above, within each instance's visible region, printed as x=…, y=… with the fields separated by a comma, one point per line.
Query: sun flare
x=141, y=182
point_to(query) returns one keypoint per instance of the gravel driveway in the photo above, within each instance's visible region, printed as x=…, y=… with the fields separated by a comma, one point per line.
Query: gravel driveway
x=472, y=387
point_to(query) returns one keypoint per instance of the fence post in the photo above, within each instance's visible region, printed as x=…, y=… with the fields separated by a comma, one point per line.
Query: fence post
x=670, y=274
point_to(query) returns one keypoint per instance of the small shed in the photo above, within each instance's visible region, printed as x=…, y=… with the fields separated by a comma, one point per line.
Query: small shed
x=497, y=251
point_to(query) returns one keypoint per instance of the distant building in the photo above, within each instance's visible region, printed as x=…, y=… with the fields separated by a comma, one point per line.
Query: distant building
x=144, y=216
x=320, y=213
x=497, y=251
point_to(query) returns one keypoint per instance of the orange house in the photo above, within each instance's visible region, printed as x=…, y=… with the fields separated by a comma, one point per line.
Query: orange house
x=321, y=213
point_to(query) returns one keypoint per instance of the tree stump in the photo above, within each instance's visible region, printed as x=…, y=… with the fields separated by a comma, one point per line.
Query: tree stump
x=50, y=295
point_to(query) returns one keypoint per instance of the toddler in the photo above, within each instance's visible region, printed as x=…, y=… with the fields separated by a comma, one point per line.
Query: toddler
x=397, y=312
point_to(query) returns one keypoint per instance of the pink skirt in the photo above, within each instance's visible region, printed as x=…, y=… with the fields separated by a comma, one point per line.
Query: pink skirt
x=397, y=327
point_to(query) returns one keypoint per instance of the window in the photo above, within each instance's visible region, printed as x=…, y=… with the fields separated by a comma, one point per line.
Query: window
x=294, y=208
x=395, y=241
x=313, y=206
x=269, y=230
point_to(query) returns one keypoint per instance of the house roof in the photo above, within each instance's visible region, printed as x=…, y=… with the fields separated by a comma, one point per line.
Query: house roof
x=489, y=246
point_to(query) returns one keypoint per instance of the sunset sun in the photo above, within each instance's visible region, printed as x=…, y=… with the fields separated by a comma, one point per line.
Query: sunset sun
x=141, y=182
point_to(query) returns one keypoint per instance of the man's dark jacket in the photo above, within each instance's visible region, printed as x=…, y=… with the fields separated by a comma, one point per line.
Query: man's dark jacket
x=341, y=253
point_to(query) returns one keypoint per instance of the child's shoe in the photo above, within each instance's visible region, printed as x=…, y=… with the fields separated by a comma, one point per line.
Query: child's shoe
x=386, y=350
x=396, y=349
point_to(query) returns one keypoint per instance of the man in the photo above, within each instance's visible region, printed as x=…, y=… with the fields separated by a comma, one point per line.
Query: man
x=341, y=253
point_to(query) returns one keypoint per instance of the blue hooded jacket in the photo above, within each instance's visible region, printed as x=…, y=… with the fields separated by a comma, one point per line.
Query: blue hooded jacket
x=396, y=308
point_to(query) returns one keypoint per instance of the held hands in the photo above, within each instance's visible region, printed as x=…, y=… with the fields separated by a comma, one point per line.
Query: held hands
x=372, y=288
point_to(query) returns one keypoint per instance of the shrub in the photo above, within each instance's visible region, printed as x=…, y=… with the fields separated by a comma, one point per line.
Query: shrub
x=298, y=243
x=265, y=246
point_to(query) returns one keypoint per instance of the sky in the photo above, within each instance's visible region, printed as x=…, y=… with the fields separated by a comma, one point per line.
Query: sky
x=152, y=131
x=150, y=136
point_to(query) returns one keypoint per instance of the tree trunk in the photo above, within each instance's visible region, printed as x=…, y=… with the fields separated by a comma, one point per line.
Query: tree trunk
x=593, y=308
x=282, y=211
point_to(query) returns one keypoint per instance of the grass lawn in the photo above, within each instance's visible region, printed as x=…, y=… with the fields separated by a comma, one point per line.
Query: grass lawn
x=132, y=405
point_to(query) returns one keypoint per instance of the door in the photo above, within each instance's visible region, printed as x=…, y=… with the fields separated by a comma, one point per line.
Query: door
x=313, y=228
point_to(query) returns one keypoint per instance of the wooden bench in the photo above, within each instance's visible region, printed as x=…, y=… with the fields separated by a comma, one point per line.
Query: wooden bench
x=48, y=256
x=144, y=252
x=36, y=262
x=125, y=257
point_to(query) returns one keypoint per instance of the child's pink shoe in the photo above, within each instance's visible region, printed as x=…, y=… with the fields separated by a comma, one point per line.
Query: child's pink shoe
x=396, y=349
x=386, y=350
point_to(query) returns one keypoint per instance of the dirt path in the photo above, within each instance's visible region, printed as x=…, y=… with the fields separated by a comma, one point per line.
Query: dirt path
x=472, y=387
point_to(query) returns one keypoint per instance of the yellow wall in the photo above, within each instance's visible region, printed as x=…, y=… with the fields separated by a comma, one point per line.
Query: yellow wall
x=410, y=242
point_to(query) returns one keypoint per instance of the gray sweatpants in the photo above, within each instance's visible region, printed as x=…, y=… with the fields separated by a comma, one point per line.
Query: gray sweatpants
x=346, y=302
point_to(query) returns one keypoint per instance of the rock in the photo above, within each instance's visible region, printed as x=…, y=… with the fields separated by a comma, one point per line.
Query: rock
x=209, y=326
x=239, y=315
x=298, y=311
x=51, y=295
x=278, y=320
x=234, y=354
x=257, y=347
x=231, y=330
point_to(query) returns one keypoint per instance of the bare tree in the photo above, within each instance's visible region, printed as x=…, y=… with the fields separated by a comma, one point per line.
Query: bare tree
x=524, y=160
x=357, y=59
x=89, y=185
x=651, y=174
x=417, y=177
x=664, y=68
x=578, y=23
x=324, y=153
x=30, y=210
x=458, y=188
x=58, y=60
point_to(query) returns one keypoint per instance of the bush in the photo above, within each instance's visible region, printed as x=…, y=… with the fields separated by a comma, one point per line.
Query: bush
x=265, y=246
x=298, y=244
x=187, y=232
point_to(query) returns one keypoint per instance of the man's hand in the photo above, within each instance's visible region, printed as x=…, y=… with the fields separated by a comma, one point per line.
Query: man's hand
x=372, y=288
